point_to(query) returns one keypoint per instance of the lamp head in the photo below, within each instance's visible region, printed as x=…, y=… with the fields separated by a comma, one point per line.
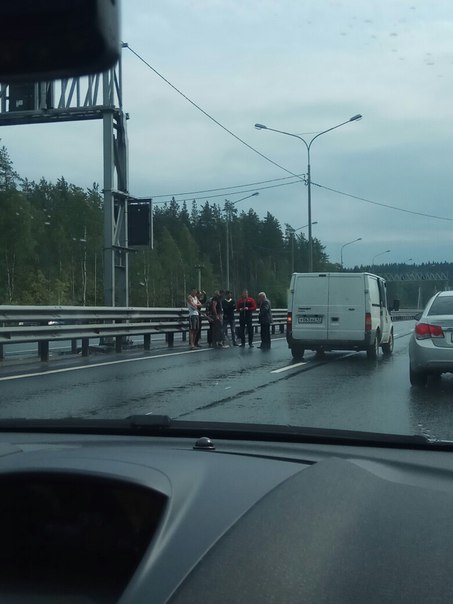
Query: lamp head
x=260, y=127
x=354, y=118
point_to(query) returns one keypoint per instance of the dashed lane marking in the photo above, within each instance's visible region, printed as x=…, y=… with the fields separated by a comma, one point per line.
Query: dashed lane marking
x=288, y=367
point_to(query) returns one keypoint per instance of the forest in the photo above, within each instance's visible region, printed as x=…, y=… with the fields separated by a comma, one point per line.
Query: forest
x=51, y=250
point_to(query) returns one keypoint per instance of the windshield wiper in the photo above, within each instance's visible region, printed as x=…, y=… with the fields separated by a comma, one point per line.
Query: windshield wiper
x=163, y=425
x=147, y=424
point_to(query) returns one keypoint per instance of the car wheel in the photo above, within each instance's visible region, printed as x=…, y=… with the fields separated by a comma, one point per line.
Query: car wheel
x=373, y=350
x=297, y=352
x=387, y=348
x=417, y=378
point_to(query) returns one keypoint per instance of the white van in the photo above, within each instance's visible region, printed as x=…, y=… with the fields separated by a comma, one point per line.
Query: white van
x=338, y=311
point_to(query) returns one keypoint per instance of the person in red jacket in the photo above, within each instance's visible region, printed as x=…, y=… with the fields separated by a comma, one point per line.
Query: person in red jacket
x=246, y=306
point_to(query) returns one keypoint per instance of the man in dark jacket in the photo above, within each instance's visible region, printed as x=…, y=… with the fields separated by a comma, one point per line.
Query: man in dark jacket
x=229, y=306
x=246, y=306
x=265, y=319
x=214, y=313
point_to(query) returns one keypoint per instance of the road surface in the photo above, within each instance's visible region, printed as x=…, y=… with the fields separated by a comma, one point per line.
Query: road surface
x=341, y=390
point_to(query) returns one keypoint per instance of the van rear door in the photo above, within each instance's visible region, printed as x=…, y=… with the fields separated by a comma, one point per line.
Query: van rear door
x=346, y=316
x=310, y=307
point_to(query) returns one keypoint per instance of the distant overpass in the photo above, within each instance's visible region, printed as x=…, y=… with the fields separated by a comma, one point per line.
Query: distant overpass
x=415, y=276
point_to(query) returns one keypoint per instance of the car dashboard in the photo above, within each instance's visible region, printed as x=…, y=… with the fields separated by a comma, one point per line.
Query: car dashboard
x=133, y=519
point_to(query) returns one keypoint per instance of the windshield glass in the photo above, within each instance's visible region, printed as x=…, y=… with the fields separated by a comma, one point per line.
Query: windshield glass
x=237, y=223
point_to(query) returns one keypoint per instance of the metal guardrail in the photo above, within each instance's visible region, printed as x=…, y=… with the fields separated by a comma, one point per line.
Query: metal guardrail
x=112, y=325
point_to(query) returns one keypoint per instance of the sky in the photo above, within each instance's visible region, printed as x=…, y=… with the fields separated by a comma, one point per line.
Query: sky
x=300, y=66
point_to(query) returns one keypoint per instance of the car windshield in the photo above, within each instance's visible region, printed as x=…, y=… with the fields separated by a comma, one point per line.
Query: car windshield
x=237, y=223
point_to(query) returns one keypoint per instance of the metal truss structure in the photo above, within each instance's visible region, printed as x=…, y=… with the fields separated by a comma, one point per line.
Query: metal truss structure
x=92, y=97
x=415, y=276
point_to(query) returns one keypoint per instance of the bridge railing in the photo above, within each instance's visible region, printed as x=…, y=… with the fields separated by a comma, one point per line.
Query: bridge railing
x=110, y=325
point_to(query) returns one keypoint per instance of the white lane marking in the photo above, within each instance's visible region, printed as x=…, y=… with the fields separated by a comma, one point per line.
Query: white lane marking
x=288, y=367
x=94, y=365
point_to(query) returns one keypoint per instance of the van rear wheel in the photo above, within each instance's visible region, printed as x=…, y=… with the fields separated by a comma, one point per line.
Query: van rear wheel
x=297, y=352
x=387, y=348
x=372, y=351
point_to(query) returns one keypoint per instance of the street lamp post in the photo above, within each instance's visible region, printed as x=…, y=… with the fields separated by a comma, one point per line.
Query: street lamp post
x=83, y=241
x=228, y=236
x=292, y=231
x=380, y=254
x=308, y=146
x=199, y=268
x=344, y=245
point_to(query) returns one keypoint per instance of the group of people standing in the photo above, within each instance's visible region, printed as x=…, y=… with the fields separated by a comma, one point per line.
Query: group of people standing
x=220, y=312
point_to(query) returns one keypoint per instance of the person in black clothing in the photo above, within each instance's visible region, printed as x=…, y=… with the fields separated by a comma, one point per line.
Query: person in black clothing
x=246, y=306
x=265, y=320
x=229, y=305
x=214, y=313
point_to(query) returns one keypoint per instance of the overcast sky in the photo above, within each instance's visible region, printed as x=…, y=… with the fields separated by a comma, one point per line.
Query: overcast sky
x=301, y=66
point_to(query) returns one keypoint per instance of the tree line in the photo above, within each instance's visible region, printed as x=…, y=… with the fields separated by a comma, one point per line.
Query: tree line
x=51, y=250
x=51, y=247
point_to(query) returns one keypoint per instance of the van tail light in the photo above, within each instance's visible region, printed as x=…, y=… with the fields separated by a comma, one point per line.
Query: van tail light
x=368, y=321
x=425, y=331
x=289, y=323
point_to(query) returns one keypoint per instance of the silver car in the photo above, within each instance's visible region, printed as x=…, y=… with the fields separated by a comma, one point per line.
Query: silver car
x=431, y=344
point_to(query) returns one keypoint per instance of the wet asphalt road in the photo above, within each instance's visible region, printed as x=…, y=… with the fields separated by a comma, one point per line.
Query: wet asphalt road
x=341, y=390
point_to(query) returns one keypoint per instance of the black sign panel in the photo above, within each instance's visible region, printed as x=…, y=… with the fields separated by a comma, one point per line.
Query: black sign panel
x=139, y=223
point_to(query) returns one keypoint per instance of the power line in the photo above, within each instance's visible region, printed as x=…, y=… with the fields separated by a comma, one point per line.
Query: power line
x=357, y=197
x=296, y=182
x=388, y=206
x=250, y=184
x=383, y=205
x=125, y=45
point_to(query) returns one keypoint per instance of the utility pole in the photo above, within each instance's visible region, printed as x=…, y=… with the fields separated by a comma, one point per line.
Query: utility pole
x=199, y=268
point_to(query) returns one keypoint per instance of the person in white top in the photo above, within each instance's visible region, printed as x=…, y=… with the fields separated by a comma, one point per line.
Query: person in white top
x=193, y=305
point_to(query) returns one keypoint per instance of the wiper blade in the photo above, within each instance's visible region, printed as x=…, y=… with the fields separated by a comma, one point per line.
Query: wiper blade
x=163, y=425
x=149, y=420
x=133, y=424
